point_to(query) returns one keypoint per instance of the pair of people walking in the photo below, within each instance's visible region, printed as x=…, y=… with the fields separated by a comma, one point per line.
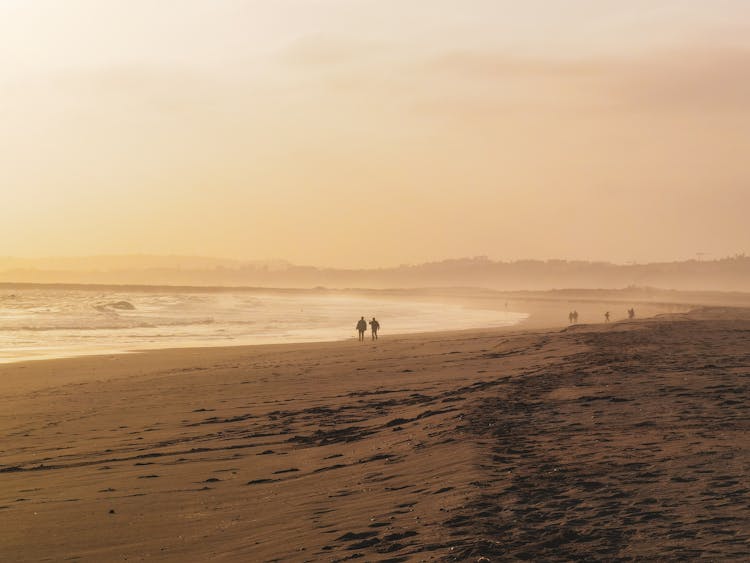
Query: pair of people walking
x=362, y=327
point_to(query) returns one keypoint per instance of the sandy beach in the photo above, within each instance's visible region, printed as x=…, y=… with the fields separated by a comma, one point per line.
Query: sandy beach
x=209, y=206
x=612, y=442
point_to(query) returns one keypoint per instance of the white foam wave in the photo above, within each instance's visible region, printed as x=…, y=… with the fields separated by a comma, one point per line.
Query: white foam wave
x=33, y=322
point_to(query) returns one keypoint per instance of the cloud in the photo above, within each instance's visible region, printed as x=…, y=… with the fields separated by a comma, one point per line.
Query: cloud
x=326, y=50
x=467, y=84
x=490, y=65
x=689, y=79
x=714, y=80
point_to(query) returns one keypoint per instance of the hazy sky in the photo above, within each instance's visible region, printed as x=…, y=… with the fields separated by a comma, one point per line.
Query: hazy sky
x=375, y=132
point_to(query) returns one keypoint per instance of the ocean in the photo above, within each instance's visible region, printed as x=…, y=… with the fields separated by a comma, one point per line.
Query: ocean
x=54, y=323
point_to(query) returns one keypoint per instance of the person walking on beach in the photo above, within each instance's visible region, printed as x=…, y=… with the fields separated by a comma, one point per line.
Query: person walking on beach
x=575, y=317
x=606, y=317
x=361, y=328
x=570, y=317
x=374, y=327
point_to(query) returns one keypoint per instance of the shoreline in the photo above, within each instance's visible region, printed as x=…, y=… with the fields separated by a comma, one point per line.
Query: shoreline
x=36, y=373
x=542, y=309
x=35, y=370
x=192, y=347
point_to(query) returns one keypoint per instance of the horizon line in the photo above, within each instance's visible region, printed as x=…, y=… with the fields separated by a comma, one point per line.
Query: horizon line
x=700, y=257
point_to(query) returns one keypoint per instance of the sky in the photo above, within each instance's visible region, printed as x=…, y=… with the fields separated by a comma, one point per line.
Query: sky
x=368, y=133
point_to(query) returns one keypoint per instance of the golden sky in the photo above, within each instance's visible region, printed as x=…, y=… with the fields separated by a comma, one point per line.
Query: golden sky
x=375, y=132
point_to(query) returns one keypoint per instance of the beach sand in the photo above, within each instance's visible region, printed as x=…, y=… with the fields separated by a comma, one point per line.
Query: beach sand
x=612, y=442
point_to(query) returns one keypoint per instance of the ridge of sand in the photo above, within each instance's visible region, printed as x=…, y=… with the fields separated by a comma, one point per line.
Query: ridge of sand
x=612, y=442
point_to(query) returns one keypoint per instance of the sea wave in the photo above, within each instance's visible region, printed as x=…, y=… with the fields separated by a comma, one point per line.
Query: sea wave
x=32, y=322
x=115, y=306
x=111, y=326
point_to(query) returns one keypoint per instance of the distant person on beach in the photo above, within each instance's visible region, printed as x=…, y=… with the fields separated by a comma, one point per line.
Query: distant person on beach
x=575, y=317
x=631, y=313
x=570, y=317
x=375, y=327
x=361, y=328
x=606, y=317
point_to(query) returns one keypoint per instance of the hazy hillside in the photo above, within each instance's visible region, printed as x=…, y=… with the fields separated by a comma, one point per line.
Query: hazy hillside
x=729, y=274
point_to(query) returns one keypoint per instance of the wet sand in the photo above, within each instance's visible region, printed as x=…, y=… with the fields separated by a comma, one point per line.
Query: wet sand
x=612, y=442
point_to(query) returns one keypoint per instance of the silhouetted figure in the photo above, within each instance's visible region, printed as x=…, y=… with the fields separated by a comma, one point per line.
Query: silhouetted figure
x=631, y=313
x=570, y=317
x=606, y=317
x=374, y=327
x=361, y=328
x=575, y=317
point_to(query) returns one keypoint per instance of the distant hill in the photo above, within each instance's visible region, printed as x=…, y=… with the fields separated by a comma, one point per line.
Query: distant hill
x=728, y=274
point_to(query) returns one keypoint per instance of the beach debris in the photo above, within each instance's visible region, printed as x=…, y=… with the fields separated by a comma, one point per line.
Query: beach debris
x=261, y=481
